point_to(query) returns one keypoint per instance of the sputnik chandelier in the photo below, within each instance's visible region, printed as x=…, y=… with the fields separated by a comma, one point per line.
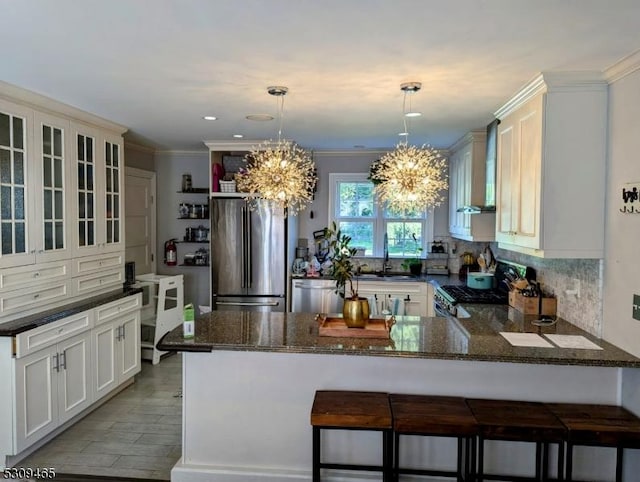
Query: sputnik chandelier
x=280, y=173
x=410, y=178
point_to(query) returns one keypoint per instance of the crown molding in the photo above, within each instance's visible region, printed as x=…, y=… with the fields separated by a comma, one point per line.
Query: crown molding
x=349, y=152
x=30, y=99
x=183, y=154
x=568, y=81
x=139, y=147
x=623, y=67
x=474, y=135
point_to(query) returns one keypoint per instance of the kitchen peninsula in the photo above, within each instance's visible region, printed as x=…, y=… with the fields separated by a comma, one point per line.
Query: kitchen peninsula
x=249, y=381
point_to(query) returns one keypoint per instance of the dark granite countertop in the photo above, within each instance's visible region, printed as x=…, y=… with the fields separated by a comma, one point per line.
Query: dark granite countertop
x=475, y=338
x=14, y=327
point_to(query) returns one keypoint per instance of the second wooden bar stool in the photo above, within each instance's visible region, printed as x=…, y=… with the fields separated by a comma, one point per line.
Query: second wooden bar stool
x=352, y=410
x=517, y=421
x=435, y=416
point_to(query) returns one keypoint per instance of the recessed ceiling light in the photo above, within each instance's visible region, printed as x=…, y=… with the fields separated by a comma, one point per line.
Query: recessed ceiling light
x=238, y=136
x=210, y=117
x=259, y=117
x=413, y=114
x=403, y=133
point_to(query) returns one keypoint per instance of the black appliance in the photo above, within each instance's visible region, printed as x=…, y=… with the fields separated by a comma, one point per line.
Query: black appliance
x=447, y=297
x=129, y=273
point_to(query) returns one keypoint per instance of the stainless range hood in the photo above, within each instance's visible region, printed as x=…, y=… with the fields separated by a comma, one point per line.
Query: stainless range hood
x=489, y=205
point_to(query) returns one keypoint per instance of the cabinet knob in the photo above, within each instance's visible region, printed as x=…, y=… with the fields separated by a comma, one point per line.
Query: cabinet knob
x=36, y=274
x=37, y=295
x=33, y=251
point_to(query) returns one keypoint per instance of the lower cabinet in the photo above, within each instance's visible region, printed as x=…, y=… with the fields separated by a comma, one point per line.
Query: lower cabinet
x=52, y=386
x=116, y=349
x=57, y=370
x=399, y=297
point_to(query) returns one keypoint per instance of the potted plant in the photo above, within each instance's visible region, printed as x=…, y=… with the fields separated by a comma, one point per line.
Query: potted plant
x=355, y=310
x=414, y=264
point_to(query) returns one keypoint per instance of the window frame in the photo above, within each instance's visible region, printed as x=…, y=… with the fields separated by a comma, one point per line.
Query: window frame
x=378, y=220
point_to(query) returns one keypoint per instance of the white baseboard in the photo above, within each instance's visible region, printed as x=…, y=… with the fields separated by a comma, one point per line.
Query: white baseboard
x=208, y=473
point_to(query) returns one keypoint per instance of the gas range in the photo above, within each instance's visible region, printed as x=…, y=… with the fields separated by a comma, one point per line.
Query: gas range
x=447, y=297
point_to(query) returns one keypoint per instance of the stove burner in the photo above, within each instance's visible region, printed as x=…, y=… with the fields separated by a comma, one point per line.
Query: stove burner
x=464, y=294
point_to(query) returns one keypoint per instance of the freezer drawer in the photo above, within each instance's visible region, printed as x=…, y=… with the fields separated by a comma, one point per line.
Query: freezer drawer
x=249, y=303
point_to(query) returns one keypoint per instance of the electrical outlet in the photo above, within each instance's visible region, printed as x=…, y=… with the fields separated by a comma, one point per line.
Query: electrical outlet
x=636, y=307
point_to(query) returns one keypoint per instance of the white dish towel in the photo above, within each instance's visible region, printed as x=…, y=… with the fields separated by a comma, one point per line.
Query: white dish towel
x=373, y=305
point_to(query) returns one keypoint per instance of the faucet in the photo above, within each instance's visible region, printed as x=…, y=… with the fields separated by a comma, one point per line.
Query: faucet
x=386, y=266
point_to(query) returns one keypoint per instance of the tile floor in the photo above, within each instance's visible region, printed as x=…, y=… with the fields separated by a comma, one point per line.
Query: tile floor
x=136, y=434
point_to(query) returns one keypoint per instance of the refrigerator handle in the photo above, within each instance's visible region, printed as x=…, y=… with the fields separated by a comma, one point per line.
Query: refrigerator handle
x=243, y=242
x=249, y=245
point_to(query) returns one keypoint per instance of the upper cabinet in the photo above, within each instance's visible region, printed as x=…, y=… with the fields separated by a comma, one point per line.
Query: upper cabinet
x=467, y=187
x=550, y=195
x=98, y=181
x=61, y=202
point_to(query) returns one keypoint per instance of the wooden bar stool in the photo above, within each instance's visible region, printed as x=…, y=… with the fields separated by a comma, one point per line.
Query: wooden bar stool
x=599, y=426
x=439, y=417
x=518, y=422
x=349, y=410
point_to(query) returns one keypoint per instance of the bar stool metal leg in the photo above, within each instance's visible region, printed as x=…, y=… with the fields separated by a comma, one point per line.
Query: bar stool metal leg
x=316, y=455
x=569, y=476
x=619, y=453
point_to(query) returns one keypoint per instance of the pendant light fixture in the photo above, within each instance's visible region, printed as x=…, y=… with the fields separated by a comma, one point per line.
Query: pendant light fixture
x=410, y=178
x=280, y=173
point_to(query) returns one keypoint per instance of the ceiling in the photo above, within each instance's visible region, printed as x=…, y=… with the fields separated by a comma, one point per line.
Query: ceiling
x=159, y=66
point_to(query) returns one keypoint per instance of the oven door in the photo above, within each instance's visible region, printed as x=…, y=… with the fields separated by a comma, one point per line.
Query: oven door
x=440, y=310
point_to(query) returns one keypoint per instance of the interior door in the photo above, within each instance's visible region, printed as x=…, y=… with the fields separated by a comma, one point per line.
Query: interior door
x=140, y=219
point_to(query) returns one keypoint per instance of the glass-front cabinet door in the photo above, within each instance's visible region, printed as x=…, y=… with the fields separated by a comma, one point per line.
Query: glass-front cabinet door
x=86, y=171
x=113, y=192
x=51, y=145
x=17, y=244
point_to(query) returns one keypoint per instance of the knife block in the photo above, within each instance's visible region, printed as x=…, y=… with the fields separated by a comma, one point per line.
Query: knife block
x=530, y=306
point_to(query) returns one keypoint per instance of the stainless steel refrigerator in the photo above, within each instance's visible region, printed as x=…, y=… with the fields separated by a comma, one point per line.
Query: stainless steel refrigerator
x=250, y=256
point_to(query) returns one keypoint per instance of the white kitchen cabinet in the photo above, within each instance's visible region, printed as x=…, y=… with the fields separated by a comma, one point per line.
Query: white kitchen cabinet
x=52, y=386
x=467, y=176
x=61, y=191
x=98, y=181
x=35, y=184
x=115, y=344
x=551, y=167
x=416, y=297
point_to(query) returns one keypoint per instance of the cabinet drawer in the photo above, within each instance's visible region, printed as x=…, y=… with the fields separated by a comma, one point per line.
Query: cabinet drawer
x=93, y=264
x=27, y=300
x=14, y=278
x=98, y=281
x=114, y=309
x=52, y=333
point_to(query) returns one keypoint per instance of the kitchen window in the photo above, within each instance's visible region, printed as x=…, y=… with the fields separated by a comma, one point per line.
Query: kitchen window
x=356, y=211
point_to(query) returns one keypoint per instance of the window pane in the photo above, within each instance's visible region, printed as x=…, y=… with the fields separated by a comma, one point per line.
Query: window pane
x=5, y=202
x=18, y=194
x=90, y=205
x=57, y=142
x=7, y=238
x=4, y=131
x=58, y=205
x=116, y=231
x=89, y=177
x=355, y=199
x=18, y=126
x=89, y=149
x=48, y=236
x=108, y=179
x=18, y=167
x=116, y=155
x=81, y=206
x=408, y=214
x=57, y=172
x=90, y=241
x=5, y=166
x=107, y=152
x=361, y=234
x=81, y=234
x=81, y=183
x=401, y=242
x=81, y=148
x=109, y=231
x=46, y=140
x=47, y=171
x=59, y=235
x=116, y=206
x=48, y=210
x=20, y=238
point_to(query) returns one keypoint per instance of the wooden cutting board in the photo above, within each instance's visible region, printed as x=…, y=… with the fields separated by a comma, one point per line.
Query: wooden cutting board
x=336, y=327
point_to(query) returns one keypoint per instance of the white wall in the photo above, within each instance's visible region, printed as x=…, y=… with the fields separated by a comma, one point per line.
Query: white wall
x=622, y=231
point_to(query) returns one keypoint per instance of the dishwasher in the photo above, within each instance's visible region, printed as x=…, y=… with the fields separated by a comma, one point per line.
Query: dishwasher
x=315, y=296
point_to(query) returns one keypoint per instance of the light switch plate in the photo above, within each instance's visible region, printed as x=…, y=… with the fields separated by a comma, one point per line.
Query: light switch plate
x=636, y=307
